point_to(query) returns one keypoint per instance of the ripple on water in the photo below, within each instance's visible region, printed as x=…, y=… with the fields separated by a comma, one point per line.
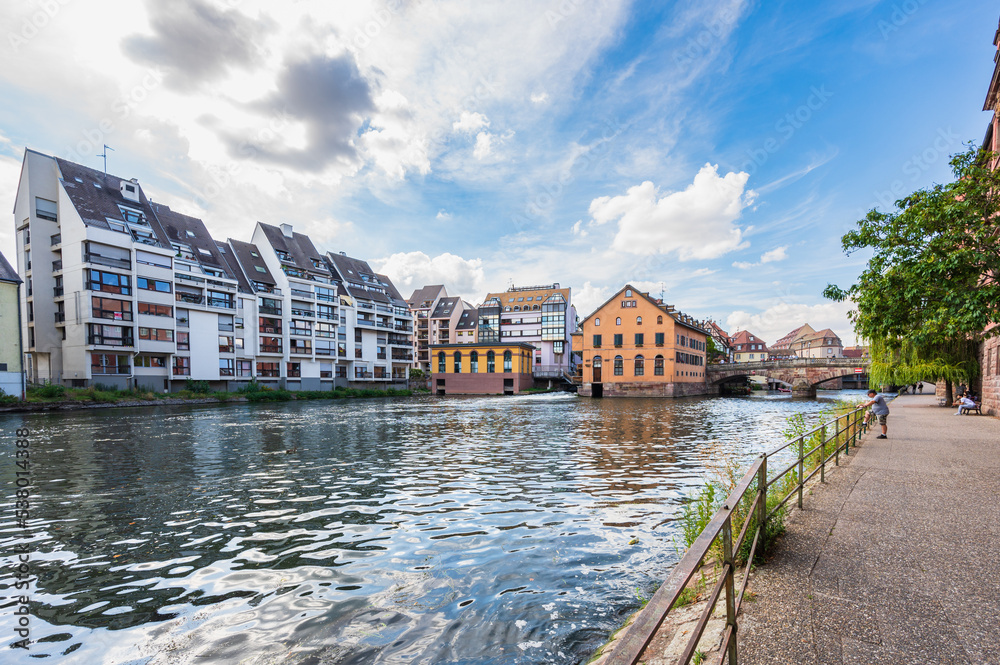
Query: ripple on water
x=394, y=531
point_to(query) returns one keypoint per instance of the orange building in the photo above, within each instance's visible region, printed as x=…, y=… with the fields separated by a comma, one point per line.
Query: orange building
x=481, y=369
x=635, y=345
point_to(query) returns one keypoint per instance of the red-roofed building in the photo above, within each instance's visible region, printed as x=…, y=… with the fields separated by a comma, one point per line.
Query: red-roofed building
x=749, y=348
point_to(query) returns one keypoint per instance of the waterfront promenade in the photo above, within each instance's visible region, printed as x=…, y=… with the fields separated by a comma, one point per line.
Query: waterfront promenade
x=894, y=559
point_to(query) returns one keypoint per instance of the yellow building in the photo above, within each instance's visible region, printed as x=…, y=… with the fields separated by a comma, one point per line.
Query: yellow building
x=635, y=345
x=11, y=376
x=481, y=369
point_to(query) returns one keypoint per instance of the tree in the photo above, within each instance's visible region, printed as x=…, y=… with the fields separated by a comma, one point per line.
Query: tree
x=930, y=292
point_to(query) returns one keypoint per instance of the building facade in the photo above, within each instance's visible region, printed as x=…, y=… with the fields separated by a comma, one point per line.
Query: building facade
x=635, y=345
x=128, y=293
x=542, y=316
x=11, y=368
x=482, y=369
x=749, y=348
x=989, y=352
x=422, y=303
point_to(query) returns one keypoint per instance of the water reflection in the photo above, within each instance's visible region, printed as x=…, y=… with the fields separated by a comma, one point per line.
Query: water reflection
x=480, y=530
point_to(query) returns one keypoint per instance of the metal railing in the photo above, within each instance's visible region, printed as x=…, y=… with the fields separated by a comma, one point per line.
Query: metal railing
x=629, y=648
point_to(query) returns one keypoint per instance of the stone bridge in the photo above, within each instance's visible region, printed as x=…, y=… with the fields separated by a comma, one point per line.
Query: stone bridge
x=802, y=374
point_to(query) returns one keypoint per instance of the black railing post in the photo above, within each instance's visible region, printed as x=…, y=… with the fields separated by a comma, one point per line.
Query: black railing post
x=729, y=565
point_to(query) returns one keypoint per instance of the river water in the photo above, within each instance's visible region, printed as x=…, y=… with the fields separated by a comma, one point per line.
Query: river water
x=422, y=530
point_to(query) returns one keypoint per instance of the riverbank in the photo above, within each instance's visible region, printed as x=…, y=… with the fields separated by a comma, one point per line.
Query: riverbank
x=893, y=559
x=58, y=398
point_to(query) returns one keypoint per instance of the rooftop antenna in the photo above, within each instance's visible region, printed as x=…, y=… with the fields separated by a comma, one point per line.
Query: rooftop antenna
x=661, y=291
x=105, y=156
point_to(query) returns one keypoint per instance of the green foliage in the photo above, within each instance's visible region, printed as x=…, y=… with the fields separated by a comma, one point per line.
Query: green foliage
x=8, y=399
x=930, y=290
x=197, y=387
x=48, y=391
x=417, y=373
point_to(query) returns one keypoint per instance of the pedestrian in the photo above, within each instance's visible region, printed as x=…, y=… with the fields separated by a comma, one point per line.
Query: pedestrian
x=920, y=388
x=880, y=409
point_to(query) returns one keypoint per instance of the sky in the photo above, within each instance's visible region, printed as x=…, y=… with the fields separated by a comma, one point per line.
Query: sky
x=712, y=151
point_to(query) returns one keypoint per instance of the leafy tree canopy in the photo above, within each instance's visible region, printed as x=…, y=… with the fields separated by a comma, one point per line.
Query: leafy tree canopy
x=930, y=291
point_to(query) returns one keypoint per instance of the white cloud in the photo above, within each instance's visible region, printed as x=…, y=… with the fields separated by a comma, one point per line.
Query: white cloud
x=470, y=122
x=578, y=229
x=703, y=272
x=484, y=147
x=589, y=298
x=696, y=223
x=776, y=321
x=776, y=254
x=539, y=97
x=443, y=215
x=412, y=270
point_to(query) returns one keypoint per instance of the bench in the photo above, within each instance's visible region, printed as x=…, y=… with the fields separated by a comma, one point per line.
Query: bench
x=978, y=409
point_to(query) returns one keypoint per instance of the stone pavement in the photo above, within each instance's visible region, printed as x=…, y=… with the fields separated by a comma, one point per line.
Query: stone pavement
x=896, y=559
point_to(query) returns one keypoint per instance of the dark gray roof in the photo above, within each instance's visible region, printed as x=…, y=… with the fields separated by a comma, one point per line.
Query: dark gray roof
x=445, y=307
x=354, y=272
x=191, y=231
x=233, y=266
x=469, y=320
x=245, y=255
x=390, y=288
x=7, y=273
x=426, y=294
x=96, y=203
x=300, y=248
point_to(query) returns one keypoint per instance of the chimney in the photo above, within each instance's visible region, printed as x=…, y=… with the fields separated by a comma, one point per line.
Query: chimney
x=130, y=190
x=286, y=230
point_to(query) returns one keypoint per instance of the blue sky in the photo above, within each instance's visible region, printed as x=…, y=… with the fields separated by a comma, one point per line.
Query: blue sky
x=716, y=151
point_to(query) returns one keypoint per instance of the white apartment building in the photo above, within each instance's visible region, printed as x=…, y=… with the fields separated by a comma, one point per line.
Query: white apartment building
x=124, y=292
x=542, y=316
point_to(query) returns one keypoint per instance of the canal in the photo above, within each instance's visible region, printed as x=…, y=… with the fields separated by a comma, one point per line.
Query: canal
x=422, y=530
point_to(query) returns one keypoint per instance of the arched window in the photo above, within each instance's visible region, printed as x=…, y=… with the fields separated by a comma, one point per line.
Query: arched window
x=638, y=320
x=659, y=320
x=640, y=365
x=628, y=293
x=534, y=307
x=597, y=321
x=442, y=368
x=597, y=362
x=474, y=362
x=619, y=366
x=458, y=362
x=618, y=321
x=517, y=308
x=658, y=365
x=507, y=308
x=491, y=362
x=507, y=361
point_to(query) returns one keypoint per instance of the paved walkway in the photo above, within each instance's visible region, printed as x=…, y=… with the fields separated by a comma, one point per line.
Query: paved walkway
x=896, y=559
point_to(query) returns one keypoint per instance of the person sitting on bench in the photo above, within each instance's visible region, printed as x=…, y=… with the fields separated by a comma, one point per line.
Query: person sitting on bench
x=964, y=403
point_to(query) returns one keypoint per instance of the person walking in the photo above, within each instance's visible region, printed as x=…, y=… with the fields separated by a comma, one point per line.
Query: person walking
x=880, y=409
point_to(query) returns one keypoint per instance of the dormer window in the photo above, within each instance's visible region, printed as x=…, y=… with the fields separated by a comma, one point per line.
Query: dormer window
x=133, y=216
x=130, y=191
x=190, y=234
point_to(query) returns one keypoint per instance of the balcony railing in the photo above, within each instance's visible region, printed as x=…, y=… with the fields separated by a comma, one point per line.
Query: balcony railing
x=365, y=305
x=366, y=322
x=298, y=293
x=55, y=240
x=221, y=302
x=269, y=310
x=225, y=371
x=308, y=313
x=270, y=348
x=60, y=317
x=100, y=340
x=304, y=332
x=190, y=298
x=109, y=261
x=323, y=352
x=56, y=265
x=57, y=291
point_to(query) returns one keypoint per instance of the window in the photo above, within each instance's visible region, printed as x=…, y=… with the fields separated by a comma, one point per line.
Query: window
x=640, y=365
x=225, y=323
x=597, y=321
x=658, y=366
x=659, y=339
x=226, y=366
x=156, y=334
x=638, y=320
x=618, y=339
x=659, y=320
x=474, y=362
x=638, y=339
x=619, y=366
x=441, y=363
x=109, y=308
x=751, y=356
x=155, y=310
x=182, y=366
x=150, y=361
x=109, y=282
x=269, y=326
x=508, y=361
x=294, y=370
x=260, y=269
x=618, y=321
x=226, y=344
x=110, y=335
x=327, y=312
x=270, y=345
x=108, y=363
x=221, y=299
x=269, y=370
x=153, y=284
x=133, y=216
x=326, y=330
x=491, y=362
x=183, y=343
x=628, y=293
x=597, y=341
x=46, y=209
x=557, y=347
x=458, y=362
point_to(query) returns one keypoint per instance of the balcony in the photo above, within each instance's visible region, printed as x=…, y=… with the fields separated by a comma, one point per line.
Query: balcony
x=100, y=340
x=225, y=371
x=55, y=240
x=297, y=293
x=402, y=356
x=270, y=348
x=60, y=317
x=323, y=352
x=276, y=311
x=111, y=262
x=307, y=313
x=56, y=266
x=303, y=332
x=182, y=371
x=190, y=298
x=221, y=302
x=358, y=374
x=365, y=305
x=57, y=291
x=366, y=322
